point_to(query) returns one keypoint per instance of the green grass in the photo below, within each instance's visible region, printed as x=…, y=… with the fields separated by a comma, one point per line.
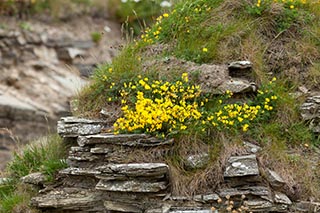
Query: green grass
x=96, y=37
x=45, y=155
x=136, y=15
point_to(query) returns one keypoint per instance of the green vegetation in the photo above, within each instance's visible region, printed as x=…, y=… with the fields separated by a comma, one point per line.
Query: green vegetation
x=138, y=14
x=96, y=37
x=44, y=155
x=281, y=38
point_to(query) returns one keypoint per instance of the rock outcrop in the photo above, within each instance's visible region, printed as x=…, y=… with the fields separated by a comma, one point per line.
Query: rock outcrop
x=100, y=178
x=310, y=112
x=42, y=66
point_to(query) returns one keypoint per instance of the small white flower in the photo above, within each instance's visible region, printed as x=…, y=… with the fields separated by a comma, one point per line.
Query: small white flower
x=165, y=4
x=124, y=1
x=136, y=1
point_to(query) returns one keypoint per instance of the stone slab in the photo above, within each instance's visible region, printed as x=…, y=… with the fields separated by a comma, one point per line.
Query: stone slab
x=121, y=207
x=131, y=186
x=73, y=127
x=135, y=169
x=239, y=166
x=134, y=140
x=67, y=198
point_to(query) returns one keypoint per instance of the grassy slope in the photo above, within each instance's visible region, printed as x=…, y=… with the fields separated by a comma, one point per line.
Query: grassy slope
x=279, y=40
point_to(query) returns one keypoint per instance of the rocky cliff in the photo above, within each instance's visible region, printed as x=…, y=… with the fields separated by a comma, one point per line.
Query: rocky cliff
x=42, y=65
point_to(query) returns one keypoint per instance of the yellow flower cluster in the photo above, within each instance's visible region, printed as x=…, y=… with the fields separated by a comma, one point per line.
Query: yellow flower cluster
x=161, y=107
x=151, y=35
x=235, y=115
x=166, y=107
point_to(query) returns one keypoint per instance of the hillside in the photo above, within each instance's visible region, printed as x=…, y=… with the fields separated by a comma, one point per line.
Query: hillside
x=212, y=76
x=172, y=83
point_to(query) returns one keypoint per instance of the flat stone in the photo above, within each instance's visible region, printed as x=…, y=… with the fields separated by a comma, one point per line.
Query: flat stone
x=240, y=65
x=311, y=108
x=259, y=205
x=239, y=166
x=274, y=179
x=249, y=190
x=121, y=207
x=237, y=85
x=72, y=120
x=251, y=147
x=79, y=171
x=135, y=169
x=82, y=156
x=141, y=140
x=74, y=149
x=100, y=150
x=68, y=198
x=197, y=161
x=209, y=198
x=36, y=178
x=131, y=186
x=73, y=127
x=281, y=198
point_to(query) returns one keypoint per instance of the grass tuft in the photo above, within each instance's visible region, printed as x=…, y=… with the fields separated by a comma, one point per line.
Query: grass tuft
x=45, y=155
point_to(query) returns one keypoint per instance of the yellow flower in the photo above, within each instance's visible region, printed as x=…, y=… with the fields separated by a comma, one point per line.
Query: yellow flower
x=166, y=15
x=204, y=49
x=291, y=6
x=183, y=127
x=245, y=127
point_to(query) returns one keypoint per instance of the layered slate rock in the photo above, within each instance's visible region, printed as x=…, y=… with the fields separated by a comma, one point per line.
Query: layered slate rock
x=131, y=186
x=123, y=140
x=73, y=127
x=310, y=112
x=99, y=149
x=70, y=199
x=274, y=179
x=100, y=178
x=143, y=177
x=239, y=166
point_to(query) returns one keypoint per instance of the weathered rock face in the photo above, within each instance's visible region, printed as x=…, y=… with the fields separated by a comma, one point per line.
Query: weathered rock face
x=99, y=179
x=39, y=72
x=310, y=112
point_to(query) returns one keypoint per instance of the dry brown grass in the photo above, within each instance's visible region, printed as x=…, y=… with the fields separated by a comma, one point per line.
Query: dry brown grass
x=206, y=180
x=299, y=168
